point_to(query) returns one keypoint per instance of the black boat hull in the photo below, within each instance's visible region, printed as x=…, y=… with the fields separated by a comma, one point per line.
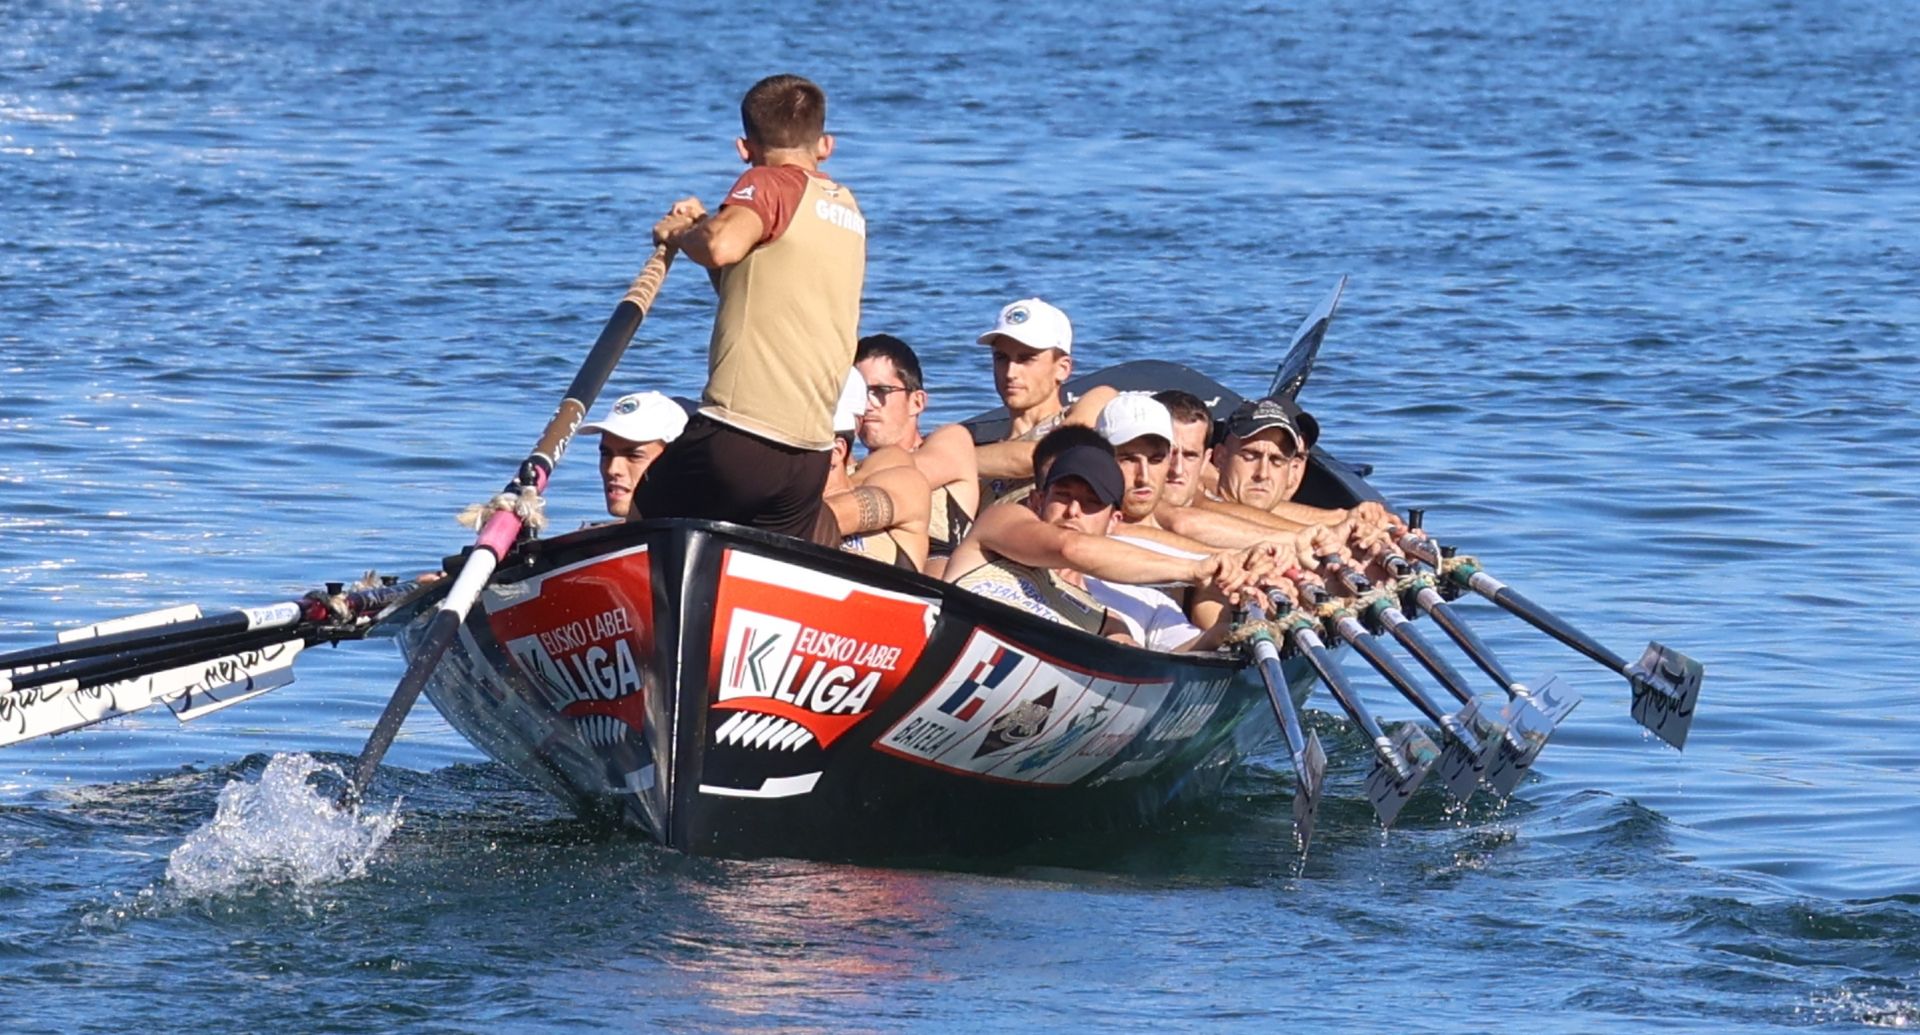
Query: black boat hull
x=736, y=693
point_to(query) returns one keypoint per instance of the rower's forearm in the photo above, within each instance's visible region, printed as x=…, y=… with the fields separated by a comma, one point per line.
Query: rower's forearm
x=1114, y=561
x=1005, y=460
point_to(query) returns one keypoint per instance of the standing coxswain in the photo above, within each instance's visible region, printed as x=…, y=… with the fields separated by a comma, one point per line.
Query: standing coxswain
x=788, y=253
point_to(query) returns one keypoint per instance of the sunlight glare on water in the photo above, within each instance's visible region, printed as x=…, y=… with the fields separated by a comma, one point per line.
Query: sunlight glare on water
x=280, y=830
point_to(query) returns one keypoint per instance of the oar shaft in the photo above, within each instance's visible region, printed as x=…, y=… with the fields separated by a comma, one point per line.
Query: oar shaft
x=273, y=616
x=1274, y=674
x=502, y=527
x=1461, y=633
x=1423, y=651
x=1367, y=647
x=1308, y=643
x=1542, y=619
x=89, y=673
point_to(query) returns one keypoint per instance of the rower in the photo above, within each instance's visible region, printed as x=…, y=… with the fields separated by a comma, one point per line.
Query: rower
x=1035, y=554
x=633, y=434
x=1260, y=464
x=896, y=396
x=879, y=509
x=1192, y=437
x=1032, y=358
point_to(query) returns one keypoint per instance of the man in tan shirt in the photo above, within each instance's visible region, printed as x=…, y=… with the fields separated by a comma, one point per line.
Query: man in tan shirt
x=787, y=251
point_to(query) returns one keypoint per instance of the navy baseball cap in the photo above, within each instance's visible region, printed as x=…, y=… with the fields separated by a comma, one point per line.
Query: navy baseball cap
x=1094, y=466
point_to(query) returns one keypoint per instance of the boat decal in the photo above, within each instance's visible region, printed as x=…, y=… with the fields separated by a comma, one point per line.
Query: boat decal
x=583, y=638
x=771, y=787
x=783, y=658
x=799, y=658
x=1007, y=712
x=1184, y=716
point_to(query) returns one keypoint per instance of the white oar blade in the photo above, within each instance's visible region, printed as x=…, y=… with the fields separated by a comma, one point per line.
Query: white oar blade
x=1310, y=773
x=1666, y=683
x=128, y=623
x=1531, y=719
x=1386, y=790
x=189, y=691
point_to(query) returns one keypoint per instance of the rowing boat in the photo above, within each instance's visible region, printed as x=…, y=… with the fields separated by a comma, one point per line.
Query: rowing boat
x=732, y=692
x=738, y=693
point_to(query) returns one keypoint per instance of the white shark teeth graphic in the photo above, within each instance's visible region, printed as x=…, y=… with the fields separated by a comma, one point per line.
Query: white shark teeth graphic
x=601, y=730
x=754, y=730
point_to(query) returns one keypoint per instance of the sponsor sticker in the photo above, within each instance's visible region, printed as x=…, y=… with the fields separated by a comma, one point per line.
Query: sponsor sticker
x=582, y=636
x=1005, y=712
x=799, y=658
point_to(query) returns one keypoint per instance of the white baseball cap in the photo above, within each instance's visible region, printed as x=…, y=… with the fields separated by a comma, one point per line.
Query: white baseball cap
x=641, y=417
x=1131, y=415
x=1035, y=324
x=852, y=405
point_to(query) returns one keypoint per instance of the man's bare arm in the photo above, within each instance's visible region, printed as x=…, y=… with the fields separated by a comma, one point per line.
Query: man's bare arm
x=1004, y=459
x=721, y=240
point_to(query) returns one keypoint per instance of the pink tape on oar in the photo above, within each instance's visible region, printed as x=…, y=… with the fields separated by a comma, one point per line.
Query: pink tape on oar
x=498, y=533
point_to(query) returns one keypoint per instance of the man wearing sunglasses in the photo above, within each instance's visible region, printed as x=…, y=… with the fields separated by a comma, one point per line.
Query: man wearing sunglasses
x=896, y=397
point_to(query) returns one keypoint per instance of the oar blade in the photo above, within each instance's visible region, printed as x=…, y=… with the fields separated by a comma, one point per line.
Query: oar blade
x=1666, y=683
x=1310, y=780
x=189, y=691
x=1386, y=789
x=1462, y=764
x=1531, y=718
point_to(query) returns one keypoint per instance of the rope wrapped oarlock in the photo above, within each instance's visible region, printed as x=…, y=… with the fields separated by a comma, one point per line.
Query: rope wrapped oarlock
x=527, y=504
x=1245, y=631
x=1448, y=564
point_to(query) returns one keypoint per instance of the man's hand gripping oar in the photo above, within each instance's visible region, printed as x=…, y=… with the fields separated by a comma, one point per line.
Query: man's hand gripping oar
x=510, y=512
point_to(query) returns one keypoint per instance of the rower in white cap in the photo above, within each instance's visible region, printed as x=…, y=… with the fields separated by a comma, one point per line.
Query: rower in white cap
x=1032, y=358
x=633, y=434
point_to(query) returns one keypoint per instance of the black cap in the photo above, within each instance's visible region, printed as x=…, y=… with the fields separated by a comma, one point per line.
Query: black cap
x=1094, y=466
x=1255, y=416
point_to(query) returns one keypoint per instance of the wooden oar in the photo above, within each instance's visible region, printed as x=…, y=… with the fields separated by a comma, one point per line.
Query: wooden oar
x=1665, y=682
x=1309, y=758
x=503, y=526
x=1463, y=762
x=1401, y=761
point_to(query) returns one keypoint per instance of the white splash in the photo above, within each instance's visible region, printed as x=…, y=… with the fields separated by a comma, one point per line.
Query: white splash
x=278, y=831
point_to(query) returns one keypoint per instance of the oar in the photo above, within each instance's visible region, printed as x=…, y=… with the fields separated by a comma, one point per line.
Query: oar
x=1401, y=761
x=1309, y=758
x=1463, y=762
x=1521, y=729
x=192, y=675
x=134, y=632
x=503, y=526
x=1531, y=714
x=1665, y=682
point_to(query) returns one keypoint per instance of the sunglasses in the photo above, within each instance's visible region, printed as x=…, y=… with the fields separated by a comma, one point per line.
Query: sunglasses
x=880, y=393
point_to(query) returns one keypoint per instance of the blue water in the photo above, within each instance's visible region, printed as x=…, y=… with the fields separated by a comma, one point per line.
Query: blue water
x=1633, y=311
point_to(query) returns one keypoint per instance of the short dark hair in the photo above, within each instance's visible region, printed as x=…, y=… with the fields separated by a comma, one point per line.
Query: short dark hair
x=1186, y=408
x=1063, y=438
x=895, y=351
x=784, y=111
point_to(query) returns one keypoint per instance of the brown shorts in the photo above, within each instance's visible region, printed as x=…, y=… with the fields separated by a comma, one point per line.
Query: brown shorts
x=720, y=473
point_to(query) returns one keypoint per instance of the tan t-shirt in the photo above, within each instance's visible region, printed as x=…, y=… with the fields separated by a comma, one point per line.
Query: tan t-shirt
x=789, y=313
